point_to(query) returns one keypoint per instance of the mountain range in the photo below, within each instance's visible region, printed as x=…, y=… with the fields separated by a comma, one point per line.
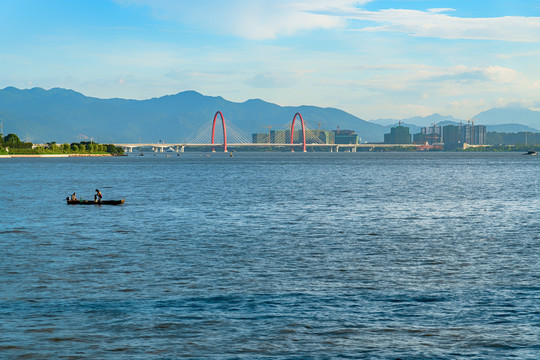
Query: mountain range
x=503, y=120
x=63, y=115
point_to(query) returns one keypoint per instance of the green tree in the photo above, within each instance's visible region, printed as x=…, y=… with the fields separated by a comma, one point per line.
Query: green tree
x=11, y=139
x=53, y=147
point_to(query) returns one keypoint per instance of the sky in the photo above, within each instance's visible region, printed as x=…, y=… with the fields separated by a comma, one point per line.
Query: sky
x=372, y=58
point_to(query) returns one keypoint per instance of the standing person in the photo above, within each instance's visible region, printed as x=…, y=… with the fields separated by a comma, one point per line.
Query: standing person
x=98, y=196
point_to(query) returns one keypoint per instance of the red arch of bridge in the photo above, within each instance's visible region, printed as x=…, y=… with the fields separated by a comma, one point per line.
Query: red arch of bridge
x=303, y=131
x=224, y=130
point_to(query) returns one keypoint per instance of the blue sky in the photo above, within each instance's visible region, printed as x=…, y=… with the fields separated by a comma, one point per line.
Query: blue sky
x=374, y=59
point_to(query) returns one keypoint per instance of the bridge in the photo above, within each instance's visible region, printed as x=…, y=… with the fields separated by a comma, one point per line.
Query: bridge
x=202, y=139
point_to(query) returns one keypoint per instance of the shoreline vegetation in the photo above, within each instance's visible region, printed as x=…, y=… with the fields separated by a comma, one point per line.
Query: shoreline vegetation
x=12, y=146
x=56, y=155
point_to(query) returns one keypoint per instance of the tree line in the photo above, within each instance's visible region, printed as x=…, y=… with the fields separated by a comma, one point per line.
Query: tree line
x=12, y=144
x=520, y=138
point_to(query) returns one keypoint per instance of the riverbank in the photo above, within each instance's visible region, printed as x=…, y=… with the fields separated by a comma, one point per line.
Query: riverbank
x=54, y=155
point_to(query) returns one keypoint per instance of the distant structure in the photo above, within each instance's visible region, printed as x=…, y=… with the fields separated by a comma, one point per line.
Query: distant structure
x=331, y=137
x=346, y=137
x=398, y=135
x=431, y=135
x=452, y=136
x=326, y=137
x=473, y=134
x=276, y=137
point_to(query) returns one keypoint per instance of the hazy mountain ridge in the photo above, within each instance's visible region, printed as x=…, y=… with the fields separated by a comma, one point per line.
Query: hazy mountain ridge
x=61, y=115
x=65, y=116
x=508, y=119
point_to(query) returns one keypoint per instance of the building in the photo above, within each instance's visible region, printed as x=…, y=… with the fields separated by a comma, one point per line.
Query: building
x=345, y=137
x=452, y=137
x=419, y=138
x=326, y=137
x=455, y=136
x=481, y=135
x=323, y=136
x=398, y=135
x=473, y=134
x=260, y=138
x=280, y=136
x=432, y=134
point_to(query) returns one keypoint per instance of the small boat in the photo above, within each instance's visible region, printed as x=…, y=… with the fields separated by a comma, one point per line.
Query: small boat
x=531, y=152
x=91, y=202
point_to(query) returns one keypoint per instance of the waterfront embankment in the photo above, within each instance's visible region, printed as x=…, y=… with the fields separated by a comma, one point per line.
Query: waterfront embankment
x=54, y=155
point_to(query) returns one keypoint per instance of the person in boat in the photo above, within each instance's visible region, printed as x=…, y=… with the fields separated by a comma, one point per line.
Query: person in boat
x=98, y=196
x=74, y=197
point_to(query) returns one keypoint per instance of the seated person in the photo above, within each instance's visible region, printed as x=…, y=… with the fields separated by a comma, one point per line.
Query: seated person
x=74, y=197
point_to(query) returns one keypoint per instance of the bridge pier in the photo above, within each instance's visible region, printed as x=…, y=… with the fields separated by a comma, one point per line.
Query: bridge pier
x=353, y=149
x=182, y=149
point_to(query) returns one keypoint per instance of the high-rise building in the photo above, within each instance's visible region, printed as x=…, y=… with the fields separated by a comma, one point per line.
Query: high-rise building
x=432, y=134
x=419, y=138
x=398, y=135
x=455, y=136
x=480, y=135
x=452, y=137
x=345, y=137
x=260, y=138
x=473, y=134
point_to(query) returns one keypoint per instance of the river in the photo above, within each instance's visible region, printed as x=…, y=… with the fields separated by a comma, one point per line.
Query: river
x=272, y=255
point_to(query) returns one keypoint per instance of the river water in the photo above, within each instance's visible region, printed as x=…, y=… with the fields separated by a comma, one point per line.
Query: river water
x=272, y=255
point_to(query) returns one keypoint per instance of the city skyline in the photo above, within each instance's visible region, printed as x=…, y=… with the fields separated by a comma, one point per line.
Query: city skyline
x=373, y=59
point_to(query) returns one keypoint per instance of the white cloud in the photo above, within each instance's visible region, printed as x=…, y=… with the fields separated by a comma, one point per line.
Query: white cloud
x=440, y=10
x=253, y=19
x=267, y=19
x=434, y=23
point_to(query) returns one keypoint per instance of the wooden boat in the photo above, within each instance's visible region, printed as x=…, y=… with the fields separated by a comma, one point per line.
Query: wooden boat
x=91, y=202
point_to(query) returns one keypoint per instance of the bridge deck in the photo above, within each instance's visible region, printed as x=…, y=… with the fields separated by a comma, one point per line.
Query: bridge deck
x=172, y=145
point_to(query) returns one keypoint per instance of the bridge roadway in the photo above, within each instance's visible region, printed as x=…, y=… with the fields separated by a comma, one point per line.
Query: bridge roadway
x=179, y=147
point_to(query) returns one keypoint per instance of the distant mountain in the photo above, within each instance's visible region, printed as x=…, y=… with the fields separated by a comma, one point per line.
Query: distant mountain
x=509, y=119
x=509, y=115
x=62, y=115
x=417, y=121
x=511, y=128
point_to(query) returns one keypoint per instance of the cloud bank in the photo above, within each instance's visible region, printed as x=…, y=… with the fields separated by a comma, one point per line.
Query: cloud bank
x=254, y=19
x=268, y=19
x=435, y=23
